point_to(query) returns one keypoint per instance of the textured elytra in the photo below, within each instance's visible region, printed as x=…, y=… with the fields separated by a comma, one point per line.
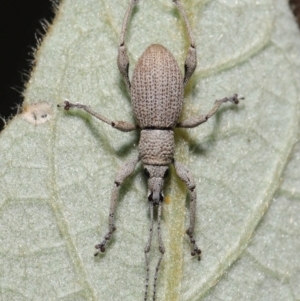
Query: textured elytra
x=157, y=89
x=156, y=147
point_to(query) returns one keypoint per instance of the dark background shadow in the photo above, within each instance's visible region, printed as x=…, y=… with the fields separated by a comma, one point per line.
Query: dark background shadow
x=20, y=22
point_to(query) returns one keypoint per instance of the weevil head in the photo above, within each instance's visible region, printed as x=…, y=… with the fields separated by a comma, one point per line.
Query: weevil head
x=156, y=176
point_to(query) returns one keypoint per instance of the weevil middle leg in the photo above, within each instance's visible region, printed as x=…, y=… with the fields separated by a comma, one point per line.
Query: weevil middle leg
x=197, y=120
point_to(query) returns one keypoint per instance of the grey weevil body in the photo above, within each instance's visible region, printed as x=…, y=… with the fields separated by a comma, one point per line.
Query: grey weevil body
x=156, y=90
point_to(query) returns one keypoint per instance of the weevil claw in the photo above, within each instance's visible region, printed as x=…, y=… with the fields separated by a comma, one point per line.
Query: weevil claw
x=66, y=105
x=236, y=99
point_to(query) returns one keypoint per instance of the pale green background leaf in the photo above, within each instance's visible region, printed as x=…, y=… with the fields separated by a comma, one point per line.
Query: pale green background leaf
x=56, y=176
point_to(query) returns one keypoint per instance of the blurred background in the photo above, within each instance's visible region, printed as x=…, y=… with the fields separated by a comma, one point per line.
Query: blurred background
x=21, y=26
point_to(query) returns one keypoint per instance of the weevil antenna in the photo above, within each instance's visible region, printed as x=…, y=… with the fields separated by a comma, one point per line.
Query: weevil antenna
x=161, y=248
x=147, y=249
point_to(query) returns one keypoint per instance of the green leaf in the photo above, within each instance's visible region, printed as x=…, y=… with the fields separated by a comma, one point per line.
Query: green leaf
x=57, y=168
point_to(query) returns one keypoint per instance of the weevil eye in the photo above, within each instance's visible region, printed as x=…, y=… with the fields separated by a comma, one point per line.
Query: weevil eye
x=161, y=197
x=146, y=172
x=166, y=173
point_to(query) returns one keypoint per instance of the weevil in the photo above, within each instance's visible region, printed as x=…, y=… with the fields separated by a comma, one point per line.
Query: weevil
x=156, y=90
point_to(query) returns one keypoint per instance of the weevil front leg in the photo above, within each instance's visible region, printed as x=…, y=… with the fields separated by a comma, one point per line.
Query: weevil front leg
x=191, y=58
x=122, y=126
x=195, y=121
x=123, y=61
x=185, y=175
x=124, y=172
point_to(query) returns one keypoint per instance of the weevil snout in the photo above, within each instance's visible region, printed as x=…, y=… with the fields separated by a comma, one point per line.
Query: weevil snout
x=155, y=197
x=156, y=176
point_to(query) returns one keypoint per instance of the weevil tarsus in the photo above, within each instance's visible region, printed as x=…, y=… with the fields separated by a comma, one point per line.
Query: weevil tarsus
x=191, y=58
x=197, y=120
x=157, y=108
x=123, y=61
x=120, y=125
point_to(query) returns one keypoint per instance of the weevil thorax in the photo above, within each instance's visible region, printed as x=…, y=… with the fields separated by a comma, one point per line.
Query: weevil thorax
x=156, y=176
x=157, y=89
x=156, y=147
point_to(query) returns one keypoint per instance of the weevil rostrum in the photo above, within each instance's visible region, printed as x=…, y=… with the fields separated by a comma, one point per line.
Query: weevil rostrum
x=156, y=90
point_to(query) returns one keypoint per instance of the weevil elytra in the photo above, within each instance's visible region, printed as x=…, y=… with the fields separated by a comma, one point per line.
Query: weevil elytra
x=156, y=90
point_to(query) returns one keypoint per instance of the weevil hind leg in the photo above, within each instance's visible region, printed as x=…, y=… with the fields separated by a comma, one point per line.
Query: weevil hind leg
x=123, y=61
x=124, y=172
x=185, y=175
x=191, y=58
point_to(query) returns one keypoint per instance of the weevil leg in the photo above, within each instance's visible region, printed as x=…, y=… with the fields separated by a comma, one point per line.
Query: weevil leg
x=123, y=61
x=122, y=126
x=147, y=249
x=123, y=173
x=195, y=121
x=185, y=175
x=191, y=58
x=161, y=249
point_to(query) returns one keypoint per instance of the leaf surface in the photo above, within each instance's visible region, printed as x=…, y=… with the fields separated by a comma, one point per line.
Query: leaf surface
x=57, y=168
